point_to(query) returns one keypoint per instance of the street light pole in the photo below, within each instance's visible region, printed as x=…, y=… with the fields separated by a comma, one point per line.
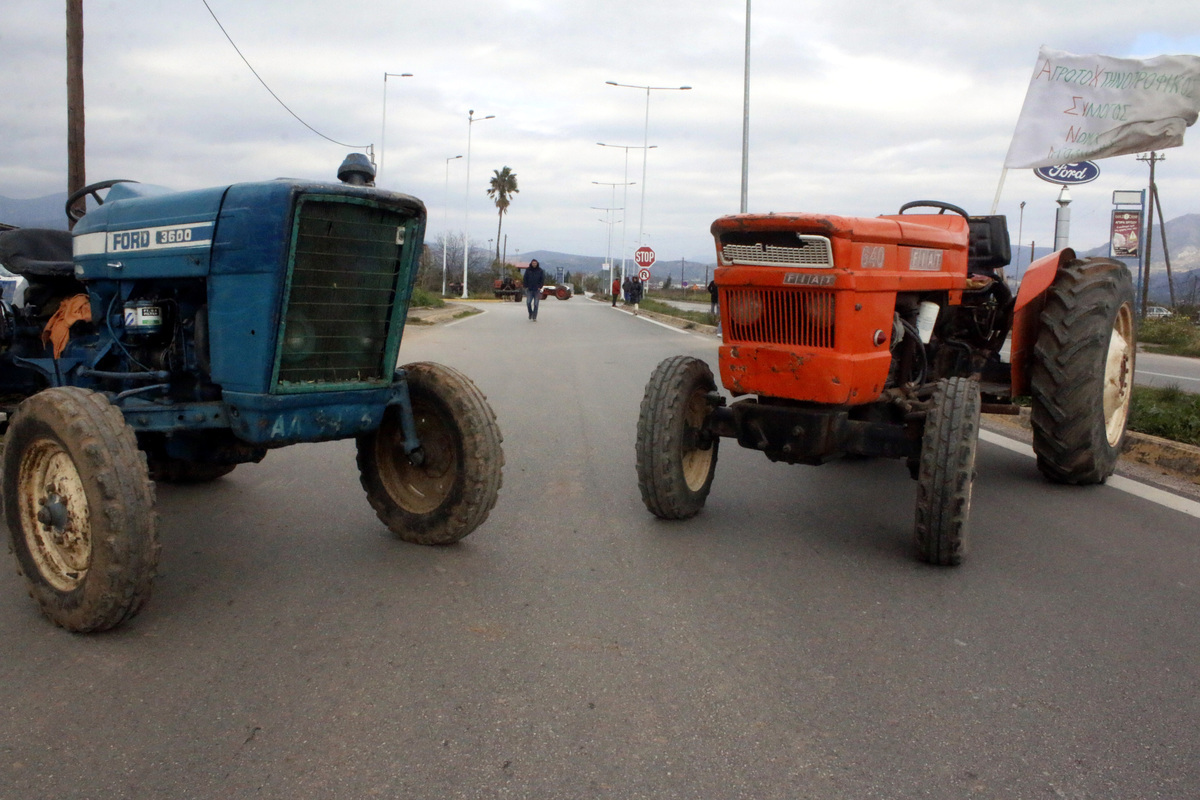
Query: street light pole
x=622, y=209
x=446, y=221
x=746, y=118
x=467, y=199
x=383, y=132
x=625, y=197
x=645, y=143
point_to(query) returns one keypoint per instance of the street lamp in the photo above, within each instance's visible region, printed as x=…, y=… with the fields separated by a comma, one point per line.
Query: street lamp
x=625, y=198
x=467, y=199
x=746, y=117
x=383, y=133
x=446, y=221
x=645, y=141
x=611, y=222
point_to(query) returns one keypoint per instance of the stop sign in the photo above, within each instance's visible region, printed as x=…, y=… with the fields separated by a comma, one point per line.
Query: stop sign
x=644, y=257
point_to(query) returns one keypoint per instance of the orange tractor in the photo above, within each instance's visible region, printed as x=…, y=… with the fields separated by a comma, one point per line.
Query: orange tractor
x=885, y=337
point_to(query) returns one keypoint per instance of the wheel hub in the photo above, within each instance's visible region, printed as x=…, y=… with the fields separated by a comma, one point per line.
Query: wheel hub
x=54, y=508
x=54, y=512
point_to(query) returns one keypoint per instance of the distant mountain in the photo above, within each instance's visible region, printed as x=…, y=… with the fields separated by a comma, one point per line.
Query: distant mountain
x=689, y=271
x=37, y=212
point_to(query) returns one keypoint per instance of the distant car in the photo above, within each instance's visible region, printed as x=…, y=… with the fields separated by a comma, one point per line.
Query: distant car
x=1158, y=312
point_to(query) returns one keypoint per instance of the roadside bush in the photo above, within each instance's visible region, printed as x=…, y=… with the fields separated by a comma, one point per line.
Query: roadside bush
x=422, y=298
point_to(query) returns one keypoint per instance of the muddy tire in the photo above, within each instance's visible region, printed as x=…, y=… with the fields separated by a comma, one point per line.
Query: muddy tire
x=946, y=473
x=455, y=487
x=676, y=460
x=1082, y=374
x=80, y=509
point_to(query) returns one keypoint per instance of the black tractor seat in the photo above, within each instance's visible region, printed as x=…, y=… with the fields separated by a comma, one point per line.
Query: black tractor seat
x=37, y=253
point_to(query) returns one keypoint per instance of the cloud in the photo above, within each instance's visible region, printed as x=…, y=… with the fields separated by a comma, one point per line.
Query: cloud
x=856, y=107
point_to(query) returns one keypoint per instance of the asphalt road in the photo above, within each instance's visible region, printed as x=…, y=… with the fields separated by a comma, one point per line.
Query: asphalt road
x=1156, y=369
x=783, y=644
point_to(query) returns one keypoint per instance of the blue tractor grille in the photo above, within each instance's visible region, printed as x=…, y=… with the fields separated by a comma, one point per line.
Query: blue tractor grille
x=342, y=290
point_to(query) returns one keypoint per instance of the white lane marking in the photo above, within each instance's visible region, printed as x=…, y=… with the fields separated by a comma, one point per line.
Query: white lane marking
x=664, y=325
x=1165, y=375
x=1142, y=490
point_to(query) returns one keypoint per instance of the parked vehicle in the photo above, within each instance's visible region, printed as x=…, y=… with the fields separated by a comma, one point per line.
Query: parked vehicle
x=562, y=291
x=174, y=335
x=509, y=289
x=1158, y=312
x=882, y=337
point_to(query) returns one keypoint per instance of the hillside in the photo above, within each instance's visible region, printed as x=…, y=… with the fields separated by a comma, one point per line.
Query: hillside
x=689, y=271
x=37, y=212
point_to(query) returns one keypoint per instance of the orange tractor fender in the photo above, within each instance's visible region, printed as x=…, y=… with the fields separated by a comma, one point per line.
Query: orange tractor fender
x=1027, y=312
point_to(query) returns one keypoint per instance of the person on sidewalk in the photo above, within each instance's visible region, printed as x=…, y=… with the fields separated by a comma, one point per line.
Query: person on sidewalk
x=635, y=293
x=534, y=280
x=616, y=289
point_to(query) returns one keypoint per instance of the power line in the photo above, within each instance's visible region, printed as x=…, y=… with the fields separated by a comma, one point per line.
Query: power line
x=268, y=88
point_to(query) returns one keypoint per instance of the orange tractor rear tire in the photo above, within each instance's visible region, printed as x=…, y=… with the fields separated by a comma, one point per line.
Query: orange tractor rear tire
x=1082, y=376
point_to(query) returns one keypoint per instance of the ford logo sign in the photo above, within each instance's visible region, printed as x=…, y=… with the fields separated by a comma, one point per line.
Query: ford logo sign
x=1076, y=172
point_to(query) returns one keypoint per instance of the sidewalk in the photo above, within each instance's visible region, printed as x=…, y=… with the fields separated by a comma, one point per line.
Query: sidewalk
x=433, y=316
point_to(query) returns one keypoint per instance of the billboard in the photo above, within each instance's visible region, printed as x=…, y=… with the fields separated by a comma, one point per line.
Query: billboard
x=1126, y=231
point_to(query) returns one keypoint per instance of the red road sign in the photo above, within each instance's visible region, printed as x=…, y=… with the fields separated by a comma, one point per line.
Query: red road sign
x=644, y=275
x=644, y=256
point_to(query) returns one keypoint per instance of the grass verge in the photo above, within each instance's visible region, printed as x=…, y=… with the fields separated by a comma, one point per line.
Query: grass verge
x=699, y=317
x=1176, y=336
x=1168, y=412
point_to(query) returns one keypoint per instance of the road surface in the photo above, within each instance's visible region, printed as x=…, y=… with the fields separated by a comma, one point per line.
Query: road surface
x=783, y=644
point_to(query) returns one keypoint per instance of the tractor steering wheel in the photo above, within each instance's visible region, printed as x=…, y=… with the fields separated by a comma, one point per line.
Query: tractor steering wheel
x=74, y=214
x=934, y=204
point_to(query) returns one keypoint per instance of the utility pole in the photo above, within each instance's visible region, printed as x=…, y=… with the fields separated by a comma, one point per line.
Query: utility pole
x=1153, y=158
x=76, y=173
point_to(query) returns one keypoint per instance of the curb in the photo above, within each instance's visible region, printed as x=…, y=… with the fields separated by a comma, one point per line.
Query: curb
x=1167, y=456
x=432, y=316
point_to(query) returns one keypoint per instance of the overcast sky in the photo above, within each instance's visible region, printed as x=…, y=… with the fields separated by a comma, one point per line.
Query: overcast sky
x=856, y=106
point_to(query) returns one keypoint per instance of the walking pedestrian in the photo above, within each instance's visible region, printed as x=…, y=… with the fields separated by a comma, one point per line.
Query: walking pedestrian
x=534, y=280
x=616, y=289
x=712, y=297
x=626, y=287
x=635, y=293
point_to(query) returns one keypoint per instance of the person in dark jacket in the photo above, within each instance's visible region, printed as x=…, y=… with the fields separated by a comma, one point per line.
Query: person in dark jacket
x=635, y=293
x=626, y=287
x=534, y=280
x=712, y=297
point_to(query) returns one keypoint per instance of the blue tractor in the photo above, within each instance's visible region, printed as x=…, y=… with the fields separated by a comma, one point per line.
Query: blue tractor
x=171, y=336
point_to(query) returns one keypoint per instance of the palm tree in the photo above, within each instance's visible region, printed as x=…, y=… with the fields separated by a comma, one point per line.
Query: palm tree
x=504, y=186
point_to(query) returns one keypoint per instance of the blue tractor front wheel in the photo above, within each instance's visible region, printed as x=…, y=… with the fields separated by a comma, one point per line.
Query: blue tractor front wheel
x=448, y=491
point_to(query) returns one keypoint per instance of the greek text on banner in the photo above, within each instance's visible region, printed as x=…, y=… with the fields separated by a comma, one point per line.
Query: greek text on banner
x=1088, y=107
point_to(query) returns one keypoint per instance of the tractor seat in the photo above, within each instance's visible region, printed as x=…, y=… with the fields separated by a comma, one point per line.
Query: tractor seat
x=37, y=253
x=988, y=245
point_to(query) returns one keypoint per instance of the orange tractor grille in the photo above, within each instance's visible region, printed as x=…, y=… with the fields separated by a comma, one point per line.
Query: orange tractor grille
x=798, y=318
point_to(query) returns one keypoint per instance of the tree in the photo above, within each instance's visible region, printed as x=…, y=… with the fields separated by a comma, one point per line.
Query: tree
x=503, y=187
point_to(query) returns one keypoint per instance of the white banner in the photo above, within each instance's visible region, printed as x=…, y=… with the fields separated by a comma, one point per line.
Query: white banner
x=1082, y=108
